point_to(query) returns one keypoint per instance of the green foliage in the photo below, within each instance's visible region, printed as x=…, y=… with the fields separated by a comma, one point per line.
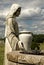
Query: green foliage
x=35, y=45
x=42, y=46
x=2, y=39
x=38, y=38
x=1, y=53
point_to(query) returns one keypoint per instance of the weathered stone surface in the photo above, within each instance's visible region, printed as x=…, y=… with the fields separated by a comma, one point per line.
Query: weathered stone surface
x=18, y=57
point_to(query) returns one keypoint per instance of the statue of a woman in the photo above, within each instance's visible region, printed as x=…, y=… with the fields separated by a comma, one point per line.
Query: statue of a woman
x=12, y=32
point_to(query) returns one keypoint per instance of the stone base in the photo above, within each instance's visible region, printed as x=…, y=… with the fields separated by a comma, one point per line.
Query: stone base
x=25, y=59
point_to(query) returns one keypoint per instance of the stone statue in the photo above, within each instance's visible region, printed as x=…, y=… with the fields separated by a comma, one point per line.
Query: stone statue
x=12, y=41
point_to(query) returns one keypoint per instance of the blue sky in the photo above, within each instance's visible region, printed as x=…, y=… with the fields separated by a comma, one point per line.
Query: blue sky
x=31, y=17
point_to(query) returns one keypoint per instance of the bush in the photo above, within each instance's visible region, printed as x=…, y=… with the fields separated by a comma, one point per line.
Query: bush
x=35, y=45
x=38, y=38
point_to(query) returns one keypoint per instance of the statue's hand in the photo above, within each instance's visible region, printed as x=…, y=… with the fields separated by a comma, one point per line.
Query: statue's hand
x=21, y=46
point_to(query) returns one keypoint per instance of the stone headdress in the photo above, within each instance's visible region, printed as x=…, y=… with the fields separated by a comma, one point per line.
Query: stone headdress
x=13, y=9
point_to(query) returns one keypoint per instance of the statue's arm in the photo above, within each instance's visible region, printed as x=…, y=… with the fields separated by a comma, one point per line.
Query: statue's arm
x=13, y=35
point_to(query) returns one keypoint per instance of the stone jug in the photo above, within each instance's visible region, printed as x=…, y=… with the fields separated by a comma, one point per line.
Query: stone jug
x=26, y=38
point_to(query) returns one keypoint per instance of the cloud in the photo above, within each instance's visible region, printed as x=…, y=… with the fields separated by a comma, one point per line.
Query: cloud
x=32, y=14
x=34, y=27
x=31, y=17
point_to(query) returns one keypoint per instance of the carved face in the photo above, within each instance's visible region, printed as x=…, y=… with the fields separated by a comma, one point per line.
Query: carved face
x=17, y=13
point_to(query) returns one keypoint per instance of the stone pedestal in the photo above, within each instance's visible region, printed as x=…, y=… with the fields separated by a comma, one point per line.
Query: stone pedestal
x=18, y=58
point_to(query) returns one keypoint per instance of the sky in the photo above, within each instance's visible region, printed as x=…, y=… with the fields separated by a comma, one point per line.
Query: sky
x=30, y=19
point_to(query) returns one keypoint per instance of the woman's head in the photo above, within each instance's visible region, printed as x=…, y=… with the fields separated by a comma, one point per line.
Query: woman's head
x=17, y=13
x=14, y=11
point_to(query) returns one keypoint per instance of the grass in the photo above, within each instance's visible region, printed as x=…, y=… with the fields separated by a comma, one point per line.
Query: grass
x=42, y=46
x=1, y=52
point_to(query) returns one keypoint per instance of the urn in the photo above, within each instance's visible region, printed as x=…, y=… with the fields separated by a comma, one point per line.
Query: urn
x=26, y=38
